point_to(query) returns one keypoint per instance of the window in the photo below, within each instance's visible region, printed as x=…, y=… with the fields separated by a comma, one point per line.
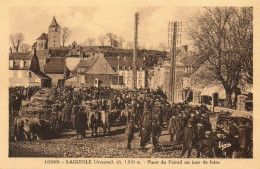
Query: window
x=22, y=63
x=54, y=44
x=11, y=63
x=140, y=83
x=54, y=36
x=140, y=75
x=42, y=45
x=54, y=41
x=30, y=74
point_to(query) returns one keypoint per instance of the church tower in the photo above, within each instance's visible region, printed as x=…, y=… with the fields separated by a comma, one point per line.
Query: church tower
x=54, y=34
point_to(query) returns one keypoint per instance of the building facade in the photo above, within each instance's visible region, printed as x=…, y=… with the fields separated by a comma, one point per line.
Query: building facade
x=24, y=70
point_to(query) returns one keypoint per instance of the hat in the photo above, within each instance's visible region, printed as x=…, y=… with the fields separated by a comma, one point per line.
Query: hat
x=199, y=124
x=207, y=132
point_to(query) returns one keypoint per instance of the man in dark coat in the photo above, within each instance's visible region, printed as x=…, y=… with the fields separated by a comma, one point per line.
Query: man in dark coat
x=178, y=127
x=130, y=128
x=188, y=139
x=80, y=122
x=200, y=135
x=233, y=131
x=157, y=123
x=67, y=113
x=206, y=146
x=244, y=137
x=146, y=126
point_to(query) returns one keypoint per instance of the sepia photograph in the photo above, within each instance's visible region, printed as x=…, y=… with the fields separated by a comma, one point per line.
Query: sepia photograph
x=131, y=82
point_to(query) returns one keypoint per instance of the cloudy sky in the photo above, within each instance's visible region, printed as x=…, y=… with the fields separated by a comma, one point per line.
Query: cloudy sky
x=93, y=21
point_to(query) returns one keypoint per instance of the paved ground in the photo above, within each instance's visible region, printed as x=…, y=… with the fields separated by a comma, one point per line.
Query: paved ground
x=113, y=146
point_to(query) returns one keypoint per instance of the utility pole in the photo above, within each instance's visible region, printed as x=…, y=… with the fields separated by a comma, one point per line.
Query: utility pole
x=173, y=62
x=118, y=67
x=135, y=50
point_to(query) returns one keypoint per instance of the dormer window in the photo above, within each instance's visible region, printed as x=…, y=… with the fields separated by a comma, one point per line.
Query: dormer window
x=186, y=70
x=11, y=63
x=22, y=63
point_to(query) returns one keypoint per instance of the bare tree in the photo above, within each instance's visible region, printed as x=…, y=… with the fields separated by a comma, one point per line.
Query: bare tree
x=16, y=40
x=129, y=45
x=218, y=34
x=90, y=41
x=162, y=46
x=102, y=40
x=66, y=32
x=120, y=42
x=24, y=48
x=112, y=39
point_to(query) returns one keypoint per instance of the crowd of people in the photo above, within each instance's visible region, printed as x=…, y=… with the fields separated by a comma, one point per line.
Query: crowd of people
x=17, y=94
x=148, y=112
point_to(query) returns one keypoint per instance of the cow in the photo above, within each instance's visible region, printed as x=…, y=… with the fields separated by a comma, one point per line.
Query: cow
x=93, y=122
x=123, y=114
x=105, y=122
x=114, y=115
x=99, y=119
x=29, y=128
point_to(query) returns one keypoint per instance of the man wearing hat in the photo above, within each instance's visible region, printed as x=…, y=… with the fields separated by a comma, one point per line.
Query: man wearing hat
x=146, y=125
x=178, y=127
x=244, y=138
x=188, y=139
x=157, y=122
x=130, y=128
x=200, y=135
x=218, y=143
x=171, y=128
x=206, y=146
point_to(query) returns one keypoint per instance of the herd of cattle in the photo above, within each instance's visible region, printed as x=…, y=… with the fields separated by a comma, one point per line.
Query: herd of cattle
x=50, y=112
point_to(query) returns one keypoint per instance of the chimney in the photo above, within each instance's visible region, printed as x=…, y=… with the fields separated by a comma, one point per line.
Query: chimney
x=34, y=51
x=44, y=60
x=10, y=50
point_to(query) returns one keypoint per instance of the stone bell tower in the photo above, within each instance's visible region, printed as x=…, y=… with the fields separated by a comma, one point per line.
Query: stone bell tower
x=54, y=34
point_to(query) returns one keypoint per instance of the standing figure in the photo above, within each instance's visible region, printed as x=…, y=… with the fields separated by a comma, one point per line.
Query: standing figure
x=130, y=128
x=157, y=123
x=146, y=125
x=188, y=139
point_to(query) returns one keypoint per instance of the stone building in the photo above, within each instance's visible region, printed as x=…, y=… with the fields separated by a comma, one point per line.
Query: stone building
x=54, y=35
x=50, y=40
x=123, y=66
x=24, y=70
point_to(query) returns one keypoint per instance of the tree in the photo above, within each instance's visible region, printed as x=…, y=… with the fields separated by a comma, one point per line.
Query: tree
x=66, y=32
x=120, y=42
x=129, y=45
x=24, y=48
x=102, y=40
x=90, y=41
x=162, y=46
x=112, y=39
x=16, y=40
x=218, y=34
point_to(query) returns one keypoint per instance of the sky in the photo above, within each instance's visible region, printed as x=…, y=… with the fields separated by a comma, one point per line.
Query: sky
x=93, y=21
